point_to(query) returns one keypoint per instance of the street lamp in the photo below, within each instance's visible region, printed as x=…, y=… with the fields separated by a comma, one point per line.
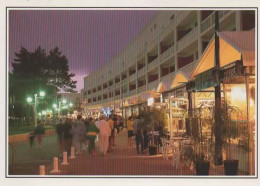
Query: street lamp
x=29, y=100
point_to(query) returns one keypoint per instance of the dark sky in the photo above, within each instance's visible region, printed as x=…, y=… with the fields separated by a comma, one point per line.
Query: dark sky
x=89, y=38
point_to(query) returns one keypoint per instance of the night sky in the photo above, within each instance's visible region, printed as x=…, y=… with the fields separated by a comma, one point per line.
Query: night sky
x=89, y=38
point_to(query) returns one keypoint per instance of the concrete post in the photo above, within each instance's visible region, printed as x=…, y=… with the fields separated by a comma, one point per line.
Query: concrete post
x=65, y=159
x=176, y=49
x=42, y=169
x=55, y=165
x=72, y=154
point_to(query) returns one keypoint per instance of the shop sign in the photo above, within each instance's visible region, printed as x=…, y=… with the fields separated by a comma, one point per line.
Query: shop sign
x=150, y=101
x=206, y=79
x=231, y=70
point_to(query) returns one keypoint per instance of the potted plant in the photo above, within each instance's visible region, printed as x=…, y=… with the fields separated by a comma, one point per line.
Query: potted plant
x=229, y=132
x=39, y=132
x=153, y=119
x=197, y=153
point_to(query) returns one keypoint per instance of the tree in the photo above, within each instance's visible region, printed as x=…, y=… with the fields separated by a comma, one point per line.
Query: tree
x=37, y=70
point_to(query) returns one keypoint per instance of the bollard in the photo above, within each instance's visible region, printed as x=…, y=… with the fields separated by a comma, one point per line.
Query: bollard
x=65, y=162
x=72, y=153
x=55, y=165
x=42, y=169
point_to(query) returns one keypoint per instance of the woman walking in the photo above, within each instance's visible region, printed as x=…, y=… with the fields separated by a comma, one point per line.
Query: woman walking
x=130, y=123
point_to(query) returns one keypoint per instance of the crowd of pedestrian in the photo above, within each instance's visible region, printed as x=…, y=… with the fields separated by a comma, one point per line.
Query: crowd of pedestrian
x=85, y=133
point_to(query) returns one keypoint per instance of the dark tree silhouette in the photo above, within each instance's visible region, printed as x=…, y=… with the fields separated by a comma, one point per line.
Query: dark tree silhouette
x=38, y=70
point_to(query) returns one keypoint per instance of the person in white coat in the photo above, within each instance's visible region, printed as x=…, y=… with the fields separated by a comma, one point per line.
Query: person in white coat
x=104, y=133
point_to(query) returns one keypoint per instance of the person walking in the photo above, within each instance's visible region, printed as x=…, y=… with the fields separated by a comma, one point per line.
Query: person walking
x=78, y=131
x=111, y=137
x=130, y=123
x=104, y=133
x=138, y=132
x=91, y=133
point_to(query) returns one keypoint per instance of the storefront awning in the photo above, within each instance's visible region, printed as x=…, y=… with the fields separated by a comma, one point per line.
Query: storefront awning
x=178, y=80
x=233, y=46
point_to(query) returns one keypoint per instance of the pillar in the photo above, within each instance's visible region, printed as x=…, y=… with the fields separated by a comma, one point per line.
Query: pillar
x=199, y=36
x=238, y=21
x=176, y=49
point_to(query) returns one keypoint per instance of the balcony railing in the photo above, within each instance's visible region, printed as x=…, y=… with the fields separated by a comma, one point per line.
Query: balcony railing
x=168, y=78
x=132, y=77
x=132, y=92
x=152, y=65
x=125, y=95
x=209, y=22
x=117, y=97
x=124, y=81
x=153, y=85
x=188, y=69
x=167, y=54
x=188, y=39
x=141, y=72
x=141, y=89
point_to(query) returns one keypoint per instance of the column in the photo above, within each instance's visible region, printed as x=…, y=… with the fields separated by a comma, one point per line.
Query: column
x=146, y=76
x=176, y=48
x=136, y=80
x=199, y=37
x=238, y=21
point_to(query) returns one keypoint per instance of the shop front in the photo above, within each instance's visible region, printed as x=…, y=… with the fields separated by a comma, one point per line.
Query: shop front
x=235, y=76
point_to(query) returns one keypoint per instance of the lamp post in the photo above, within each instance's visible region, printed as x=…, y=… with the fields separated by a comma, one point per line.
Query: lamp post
x=29, y=100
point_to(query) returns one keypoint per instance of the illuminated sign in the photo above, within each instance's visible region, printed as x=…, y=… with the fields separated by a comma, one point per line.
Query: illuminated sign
x=150, y=101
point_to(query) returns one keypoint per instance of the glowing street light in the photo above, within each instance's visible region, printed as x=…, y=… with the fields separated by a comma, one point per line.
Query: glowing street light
x=54, y=106
x=42, y=94
x=70, y=104
x=29, y=99
x=64, y=101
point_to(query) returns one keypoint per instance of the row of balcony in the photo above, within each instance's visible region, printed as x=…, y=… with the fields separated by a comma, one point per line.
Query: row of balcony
x=192, y=36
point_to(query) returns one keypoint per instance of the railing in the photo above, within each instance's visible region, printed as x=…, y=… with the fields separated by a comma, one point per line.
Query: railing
x=125, y=95
x=132, y=77
x=141, y=89
x=188, y=69
x=152, y=64
x=141, y=72
x=181, y=16
x=153, y=85
x=117, y=97
x=168, y=78
x=168, y=53
x=124, y=81
x=188, y=39
x=209, y=22
x=132, y=92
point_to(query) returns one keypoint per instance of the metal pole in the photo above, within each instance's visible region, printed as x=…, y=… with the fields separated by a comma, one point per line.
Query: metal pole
x=218, y=134
x=59, y=108
x=35, y=110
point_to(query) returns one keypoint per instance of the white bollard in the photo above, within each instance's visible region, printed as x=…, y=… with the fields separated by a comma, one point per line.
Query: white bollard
x=65, y=159
x=42, y=169
x=72, y=153
x=55, y=165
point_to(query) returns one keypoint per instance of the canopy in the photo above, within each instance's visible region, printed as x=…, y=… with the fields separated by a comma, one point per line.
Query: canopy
x=233, y=46
x=179, y=78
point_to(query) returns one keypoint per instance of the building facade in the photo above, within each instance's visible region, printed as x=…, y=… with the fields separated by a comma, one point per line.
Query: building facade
x=171, y=43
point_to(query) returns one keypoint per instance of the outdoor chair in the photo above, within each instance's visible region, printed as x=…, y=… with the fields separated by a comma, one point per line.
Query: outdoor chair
x=166, y=147
x=176, y=154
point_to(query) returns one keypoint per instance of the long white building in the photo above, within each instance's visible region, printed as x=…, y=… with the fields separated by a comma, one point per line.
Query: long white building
x=172, y=42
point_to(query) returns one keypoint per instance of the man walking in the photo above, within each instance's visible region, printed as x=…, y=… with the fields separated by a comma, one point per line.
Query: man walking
x=111, y=138
x=138, y=132
x=104, y=133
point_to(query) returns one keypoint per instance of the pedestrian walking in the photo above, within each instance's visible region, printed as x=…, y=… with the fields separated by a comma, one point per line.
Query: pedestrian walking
x=111, y=137
x=104, y=133
x=130, y=123
x=91, y=133
x=138, y=132
x=78, y=131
